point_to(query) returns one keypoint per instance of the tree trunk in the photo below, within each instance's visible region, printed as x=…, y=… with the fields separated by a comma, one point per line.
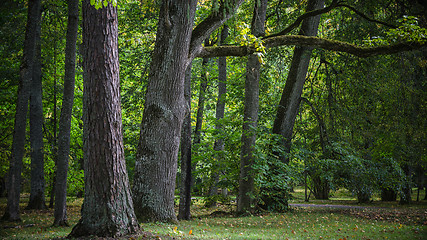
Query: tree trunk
x=65, y=119
x=54, y=123
x=107, y=209
x=388, y=194
x=219, y=115
x=164, y=111
x=250, y=116
x=177, y=44
x=186, y=167
x=202, y=98
x=37, y=191
x=290, y=100
x=18, y=144
x=320, y=187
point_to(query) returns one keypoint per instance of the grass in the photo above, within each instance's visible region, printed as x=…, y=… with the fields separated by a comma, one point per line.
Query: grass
x=407, y=222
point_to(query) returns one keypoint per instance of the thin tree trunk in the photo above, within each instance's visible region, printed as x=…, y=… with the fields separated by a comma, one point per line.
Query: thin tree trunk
x=219, y=115
x=186, y=167
x=54, y=123
x=37, y=191
x=250, y=116
x=290, y=100
x=201, y=104
x=164, y=112
x=18, y=144
x=65, y=118
x=107, y=209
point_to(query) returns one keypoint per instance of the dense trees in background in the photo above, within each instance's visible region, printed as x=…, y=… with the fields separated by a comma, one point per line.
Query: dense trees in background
x=23, y=96
x=329, y=108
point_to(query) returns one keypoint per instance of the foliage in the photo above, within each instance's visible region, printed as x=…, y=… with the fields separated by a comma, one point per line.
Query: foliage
x=272, y=175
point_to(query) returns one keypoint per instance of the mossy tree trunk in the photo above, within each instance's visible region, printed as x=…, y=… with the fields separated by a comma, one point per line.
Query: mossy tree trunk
x=250, y=115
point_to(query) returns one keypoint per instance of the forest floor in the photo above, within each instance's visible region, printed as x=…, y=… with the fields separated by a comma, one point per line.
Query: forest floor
x=341, y=217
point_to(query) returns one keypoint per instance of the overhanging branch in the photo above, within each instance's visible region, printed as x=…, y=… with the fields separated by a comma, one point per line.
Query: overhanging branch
x=314, y=42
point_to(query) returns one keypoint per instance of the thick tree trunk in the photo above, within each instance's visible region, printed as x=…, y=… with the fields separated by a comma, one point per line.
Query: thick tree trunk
x=65, y=119
x=18, y=144
x=107, y=209
x=37, y=191
x=164, y=111
x=186, y=167
x=177, y=43
x=250, y=116
x=290, y=100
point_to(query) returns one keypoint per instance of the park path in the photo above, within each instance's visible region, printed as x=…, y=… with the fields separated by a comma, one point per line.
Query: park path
x=305, y=205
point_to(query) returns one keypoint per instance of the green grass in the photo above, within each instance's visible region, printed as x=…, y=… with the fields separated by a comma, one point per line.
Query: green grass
x=293, y=225
x=402, y=222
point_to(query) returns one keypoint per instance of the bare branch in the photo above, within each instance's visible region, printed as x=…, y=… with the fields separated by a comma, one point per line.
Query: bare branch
x=333, y=5
x=314, y=42
x=366, y=17
x=297, y=22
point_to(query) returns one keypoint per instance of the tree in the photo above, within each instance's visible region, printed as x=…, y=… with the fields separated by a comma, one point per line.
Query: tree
x=65, y=119
x=107, y=208
x=219, y=116
x=290, y=100
x=250, y=116
x=186, y=166
x=37, y=192
x=26, y=73
x=177, y=43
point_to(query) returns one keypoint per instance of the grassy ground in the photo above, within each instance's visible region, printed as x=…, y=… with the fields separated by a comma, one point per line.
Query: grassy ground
x=386, y=221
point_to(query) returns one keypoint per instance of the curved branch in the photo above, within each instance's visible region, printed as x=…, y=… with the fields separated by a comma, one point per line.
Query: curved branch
x=297, y=22
x=333, y=5
x=211, y=23
x=366, y=17
x=314, y=42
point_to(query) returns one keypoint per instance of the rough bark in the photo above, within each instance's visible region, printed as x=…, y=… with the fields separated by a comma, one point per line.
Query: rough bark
x=65, y=118
x=250, y=115
x=290, y=100
x=186, y=166
x=107, y=209
x=176, y=45
x=18, y=144
x=37, y=190
x=164, y=112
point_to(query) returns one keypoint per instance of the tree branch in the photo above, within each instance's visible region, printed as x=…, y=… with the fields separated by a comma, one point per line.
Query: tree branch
x=314, y=42
x=211, y=23
x=333, y=5
x=366, y=17
x=297, y=22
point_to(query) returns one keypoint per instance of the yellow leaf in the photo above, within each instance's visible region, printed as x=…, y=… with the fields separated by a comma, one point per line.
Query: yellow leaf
x=175, y=229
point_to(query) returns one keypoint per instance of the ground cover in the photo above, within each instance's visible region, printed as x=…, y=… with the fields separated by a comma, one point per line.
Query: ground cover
x=373, y=221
